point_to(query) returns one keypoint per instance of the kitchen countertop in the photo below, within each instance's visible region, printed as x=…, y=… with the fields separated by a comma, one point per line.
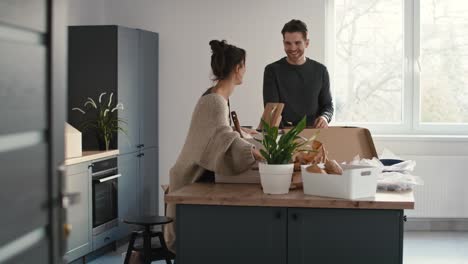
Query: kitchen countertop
x=252, y=195
x=91, y=155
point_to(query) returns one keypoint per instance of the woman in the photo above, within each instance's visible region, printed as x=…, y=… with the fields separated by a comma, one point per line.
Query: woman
x=211, y=144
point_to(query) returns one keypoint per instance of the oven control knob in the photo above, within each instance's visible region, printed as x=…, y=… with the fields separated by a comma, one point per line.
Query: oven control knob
x=67, y=228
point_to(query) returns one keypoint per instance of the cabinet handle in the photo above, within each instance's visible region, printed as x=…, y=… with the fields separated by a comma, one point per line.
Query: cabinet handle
x=141, y=146
x=70, y=199
x=294, y=217
x=278, y=215
x=141, y=155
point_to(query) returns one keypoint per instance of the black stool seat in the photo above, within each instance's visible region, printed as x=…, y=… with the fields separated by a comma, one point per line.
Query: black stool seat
x=148, y=220
x=150, y=253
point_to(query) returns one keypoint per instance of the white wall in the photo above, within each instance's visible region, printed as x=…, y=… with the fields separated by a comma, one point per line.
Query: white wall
x=86, y=12
x=185, y=28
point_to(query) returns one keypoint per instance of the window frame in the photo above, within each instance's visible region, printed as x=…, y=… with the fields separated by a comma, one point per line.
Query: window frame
x=411, y=105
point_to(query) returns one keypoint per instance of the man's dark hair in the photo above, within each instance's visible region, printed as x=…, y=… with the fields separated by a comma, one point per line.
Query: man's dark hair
x=295, y=25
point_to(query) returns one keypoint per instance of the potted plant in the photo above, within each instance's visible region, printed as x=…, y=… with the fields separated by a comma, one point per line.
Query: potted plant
x=102, y=116
x=276, y=172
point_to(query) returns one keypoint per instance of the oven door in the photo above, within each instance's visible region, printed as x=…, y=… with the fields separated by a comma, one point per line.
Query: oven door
x=105, y=208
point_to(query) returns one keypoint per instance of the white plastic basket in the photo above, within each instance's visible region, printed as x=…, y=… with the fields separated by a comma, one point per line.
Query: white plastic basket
x=356, y=182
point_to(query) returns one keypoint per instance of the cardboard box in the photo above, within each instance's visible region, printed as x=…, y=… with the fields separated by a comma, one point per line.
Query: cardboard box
x=341, y=143
x=344, y=143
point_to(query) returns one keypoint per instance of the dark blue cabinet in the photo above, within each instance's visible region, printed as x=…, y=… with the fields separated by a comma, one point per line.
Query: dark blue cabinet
x=336, y=236
x=231, y=234
x=149, y=78
x=240, y=234
x=148, y=189
x=129, y=85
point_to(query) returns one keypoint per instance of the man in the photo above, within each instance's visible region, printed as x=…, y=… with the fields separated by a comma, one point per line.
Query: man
x=300, y=83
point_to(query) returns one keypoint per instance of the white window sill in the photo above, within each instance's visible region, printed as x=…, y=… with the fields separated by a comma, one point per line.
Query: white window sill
x=432, y=138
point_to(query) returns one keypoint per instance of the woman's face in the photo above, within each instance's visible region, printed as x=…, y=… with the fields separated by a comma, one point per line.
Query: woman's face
x=240, y=71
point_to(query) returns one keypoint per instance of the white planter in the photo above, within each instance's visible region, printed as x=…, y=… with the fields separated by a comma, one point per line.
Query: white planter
x=275, y=178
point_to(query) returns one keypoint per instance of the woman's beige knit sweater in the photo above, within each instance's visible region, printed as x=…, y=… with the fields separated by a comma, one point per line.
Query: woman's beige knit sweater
x=211, y=144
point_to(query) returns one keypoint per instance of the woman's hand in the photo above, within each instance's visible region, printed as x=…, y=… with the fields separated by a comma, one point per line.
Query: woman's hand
x=257, y=155
x=249, y=131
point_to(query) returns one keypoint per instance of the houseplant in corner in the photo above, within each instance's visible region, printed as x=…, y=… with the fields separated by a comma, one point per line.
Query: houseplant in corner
x=277, y=170
x=102, y=116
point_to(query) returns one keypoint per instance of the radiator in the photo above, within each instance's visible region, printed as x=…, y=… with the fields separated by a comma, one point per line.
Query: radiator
x=445, y=190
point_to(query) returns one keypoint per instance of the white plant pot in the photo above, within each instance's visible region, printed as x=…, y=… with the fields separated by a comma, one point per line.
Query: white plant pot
x=275, y=178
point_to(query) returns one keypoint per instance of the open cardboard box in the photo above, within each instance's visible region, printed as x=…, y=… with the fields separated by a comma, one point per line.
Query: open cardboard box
x=341, y=143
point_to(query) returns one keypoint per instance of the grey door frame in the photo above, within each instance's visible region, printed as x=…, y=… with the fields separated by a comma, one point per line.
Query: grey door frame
x=57, y=106
x=47, y=241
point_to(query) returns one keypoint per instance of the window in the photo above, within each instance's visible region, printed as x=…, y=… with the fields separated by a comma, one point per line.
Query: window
x=368, y=61
x=444, y=61
x=399, y=65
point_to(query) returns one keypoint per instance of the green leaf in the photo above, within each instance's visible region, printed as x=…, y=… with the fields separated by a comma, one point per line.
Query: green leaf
x=281, y=151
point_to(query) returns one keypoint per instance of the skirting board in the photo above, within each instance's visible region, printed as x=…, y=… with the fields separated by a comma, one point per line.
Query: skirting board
x=436, y=224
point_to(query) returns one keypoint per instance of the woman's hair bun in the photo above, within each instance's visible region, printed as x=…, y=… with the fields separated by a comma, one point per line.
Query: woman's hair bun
x=224, y=58
x=217, y=45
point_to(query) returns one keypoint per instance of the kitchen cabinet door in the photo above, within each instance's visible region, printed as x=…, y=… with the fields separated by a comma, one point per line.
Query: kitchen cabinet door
x=128, y=88
x=336, y=236
x=77, y=182
x=148, y=61
x=127, y=191
x=148, y=189
x=92, y=70
x=231, y=234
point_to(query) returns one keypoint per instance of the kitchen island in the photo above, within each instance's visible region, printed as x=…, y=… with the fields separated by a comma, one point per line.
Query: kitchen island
x=238, y=223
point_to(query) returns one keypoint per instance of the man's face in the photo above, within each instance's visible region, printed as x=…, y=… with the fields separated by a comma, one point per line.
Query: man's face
x=294, y=45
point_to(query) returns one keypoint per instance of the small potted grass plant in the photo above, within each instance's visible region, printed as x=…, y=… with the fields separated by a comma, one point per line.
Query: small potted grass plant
x=102, y=116
x=276, y=172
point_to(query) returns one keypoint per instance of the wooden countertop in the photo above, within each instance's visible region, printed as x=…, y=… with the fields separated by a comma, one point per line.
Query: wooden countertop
x=91, y=155
x=252, y=195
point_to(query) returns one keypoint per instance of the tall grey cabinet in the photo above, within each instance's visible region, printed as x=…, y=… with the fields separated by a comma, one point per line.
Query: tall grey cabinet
x=122, y=61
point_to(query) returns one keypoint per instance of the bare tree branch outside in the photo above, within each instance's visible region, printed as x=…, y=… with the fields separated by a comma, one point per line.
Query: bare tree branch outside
x=369, y=60
x=444, y=61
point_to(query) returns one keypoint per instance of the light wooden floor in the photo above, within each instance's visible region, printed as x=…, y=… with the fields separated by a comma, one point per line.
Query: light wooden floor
x=419, y=248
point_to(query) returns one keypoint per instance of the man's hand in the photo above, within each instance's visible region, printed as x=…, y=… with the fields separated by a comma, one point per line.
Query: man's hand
x=321, y=122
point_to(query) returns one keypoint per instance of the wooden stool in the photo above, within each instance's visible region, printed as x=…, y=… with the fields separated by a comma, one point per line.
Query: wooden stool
x=149, y=253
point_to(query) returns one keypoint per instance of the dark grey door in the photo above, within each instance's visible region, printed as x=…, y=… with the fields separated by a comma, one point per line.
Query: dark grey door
x=231, y=234
x=32, y=96
x=336, y=236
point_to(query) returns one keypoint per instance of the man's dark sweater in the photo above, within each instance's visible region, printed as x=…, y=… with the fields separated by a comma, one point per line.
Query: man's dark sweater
x=304, y=89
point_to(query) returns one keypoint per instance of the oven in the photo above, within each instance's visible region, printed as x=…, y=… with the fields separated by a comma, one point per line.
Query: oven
x=104, y=188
